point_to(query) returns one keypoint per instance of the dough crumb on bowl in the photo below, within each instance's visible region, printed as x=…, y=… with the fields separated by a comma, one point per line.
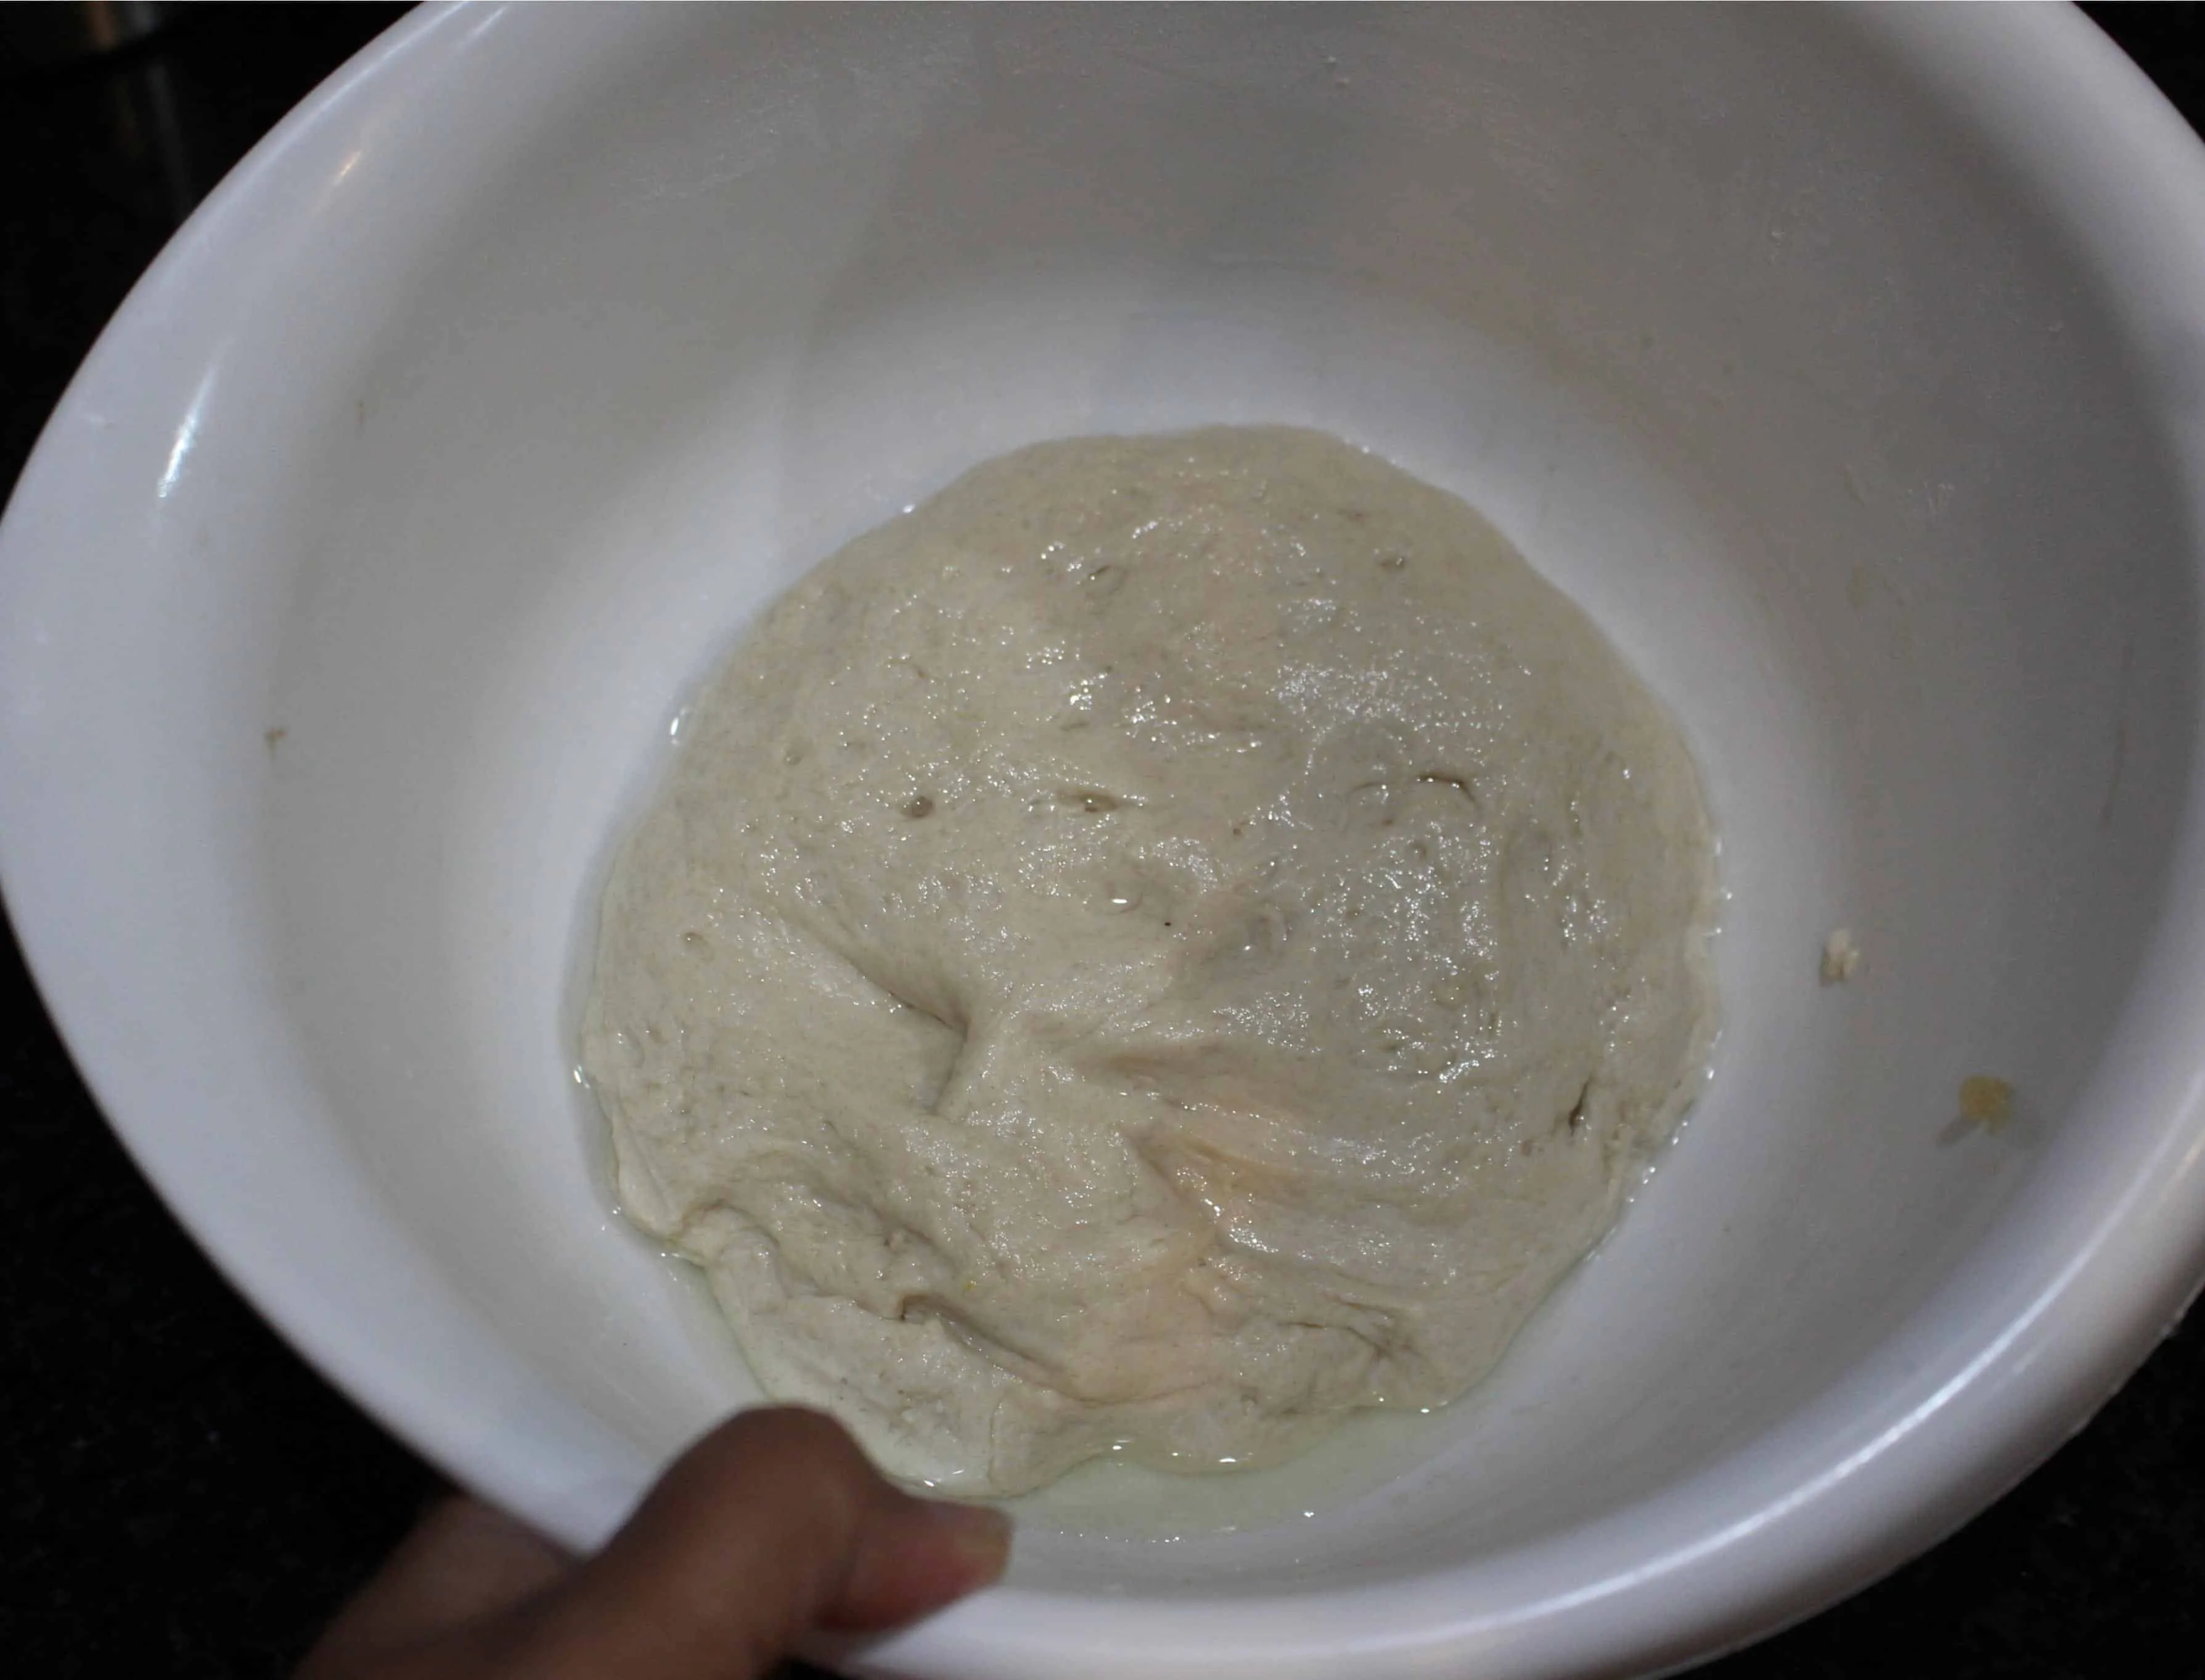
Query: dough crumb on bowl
x=1841, y=957
x=1986, y=1101
x=1172, y=942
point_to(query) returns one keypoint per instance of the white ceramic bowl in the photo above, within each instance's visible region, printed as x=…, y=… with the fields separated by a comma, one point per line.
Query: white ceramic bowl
x=1850, y=367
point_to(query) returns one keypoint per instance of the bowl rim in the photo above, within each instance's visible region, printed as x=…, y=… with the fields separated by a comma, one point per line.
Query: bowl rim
x=1925, y=1432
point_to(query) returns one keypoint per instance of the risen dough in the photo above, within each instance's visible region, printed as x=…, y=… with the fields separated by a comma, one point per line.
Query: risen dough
x=1175, y=940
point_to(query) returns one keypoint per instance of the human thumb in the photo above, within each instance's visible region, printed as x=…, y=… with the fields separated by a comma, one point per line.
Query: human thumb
x=770, y=1526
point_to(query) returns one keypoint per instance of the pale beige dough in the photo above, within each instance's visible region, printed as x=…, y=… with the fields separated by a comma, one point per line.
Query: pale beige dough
x=1175, y=940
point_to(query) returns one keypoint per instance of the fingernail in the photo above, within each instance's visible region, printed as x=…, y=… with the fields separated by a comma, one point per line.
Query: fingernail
x=980, y=1538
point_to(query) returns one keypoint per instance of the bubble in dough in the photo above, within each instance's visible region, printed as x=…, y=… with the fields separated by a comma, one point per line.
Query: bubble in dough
x=1175, y=940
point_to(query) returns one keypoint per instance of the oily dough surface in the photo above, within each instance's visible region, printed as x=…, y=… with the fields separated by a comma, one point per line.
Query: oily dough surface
x=1175, y=940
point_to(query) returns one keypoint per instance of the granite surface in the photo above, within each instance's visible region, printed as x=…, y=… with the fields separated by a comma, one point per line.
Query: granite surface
x=183, y=1498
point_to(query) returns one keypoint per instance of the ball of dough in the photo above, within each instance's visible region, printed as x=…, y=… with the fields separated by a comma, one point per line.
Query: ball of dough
x=1175, y=940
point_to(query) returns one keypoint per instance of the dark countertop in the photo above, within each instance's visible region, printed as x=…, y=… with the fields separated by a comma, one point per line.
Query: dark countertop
x=184, y=1498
